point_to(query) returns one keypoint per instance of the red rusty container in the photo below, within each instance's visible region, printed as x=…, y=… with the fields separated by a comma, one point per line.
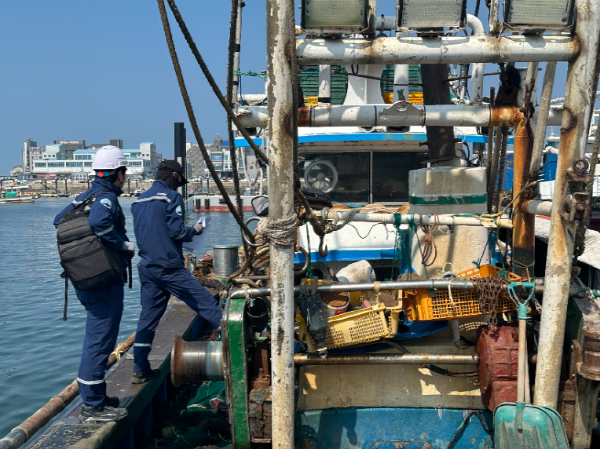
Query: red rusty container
x=498, y=353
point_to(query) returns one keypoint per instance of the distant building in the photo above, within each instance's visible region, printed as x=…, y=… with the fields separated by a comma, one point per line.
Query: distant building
x=81, y=165
x=148, y=153
x=25, y=159
x=16, y=171
x=221, y=160
x=71, y=146
x=34, y=153
x=195, y=161
x=96, y=146
x=55, y=152
x=117, y=143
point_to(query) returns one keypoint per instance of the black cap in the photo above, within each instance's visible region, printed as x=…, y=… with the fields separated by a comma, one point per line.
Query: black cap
x=170, y=164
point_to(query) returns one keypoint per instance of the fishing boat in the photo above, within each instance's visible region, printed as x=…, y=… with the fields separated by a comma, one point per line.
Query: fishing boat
x=15, y=198
x=394, y=296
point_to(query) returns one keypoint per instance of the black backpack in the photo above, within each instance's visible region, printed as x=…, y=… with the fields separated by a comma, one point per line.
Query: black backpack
x=87, y=261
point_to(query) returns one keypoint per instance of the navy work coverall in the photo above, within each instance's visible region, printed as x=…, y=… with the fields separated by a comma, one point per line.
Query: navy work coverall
x=158, y=220
x=104, y=305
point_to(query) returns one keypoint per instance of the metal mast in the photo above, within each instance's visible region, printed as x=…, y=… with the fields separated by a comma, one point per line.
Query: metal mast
x=281, y=207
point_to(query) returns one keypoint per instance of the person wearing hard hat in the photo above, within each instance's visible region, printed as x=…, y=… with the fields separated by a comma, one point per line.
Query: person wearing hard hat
x=159, y=225
x=104, y=305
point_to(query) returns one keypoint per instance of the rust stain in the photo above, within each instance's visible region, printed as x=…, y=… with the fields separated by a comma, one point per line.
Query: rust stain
x=504, y=116
x=304, y=116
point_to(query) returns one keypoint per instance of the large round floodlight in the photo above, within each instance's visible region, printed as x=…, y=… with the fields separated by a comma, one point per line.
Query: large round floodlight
x=321, y=175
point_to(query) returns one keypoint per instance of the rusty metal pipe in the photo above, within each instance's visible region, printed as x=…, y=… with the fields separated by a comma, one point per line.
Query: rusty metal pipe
x=24, y=431
x=523, y=223
x=194, y=361
x=370, y=286
x=385, y=359
x=398, y=114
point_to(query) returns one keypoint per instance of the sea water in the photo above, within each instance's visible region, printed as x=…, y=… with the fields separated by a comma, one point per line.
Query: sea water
x=39, y=353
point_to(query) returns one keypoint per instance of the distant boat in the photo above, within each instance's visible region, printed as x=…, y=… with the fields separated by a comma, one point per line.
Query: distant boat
x=15, y=197
x=138, y=192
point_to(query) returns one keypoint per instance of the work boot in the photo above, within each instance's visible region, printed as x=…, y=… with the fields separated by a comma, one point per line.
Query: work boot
x=140, y=378
x=101, y=414
x=112, y=401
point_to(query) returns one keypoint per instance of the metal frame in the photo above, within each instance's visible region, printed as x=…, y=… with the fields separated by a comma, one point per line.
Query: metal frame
x=422, y=31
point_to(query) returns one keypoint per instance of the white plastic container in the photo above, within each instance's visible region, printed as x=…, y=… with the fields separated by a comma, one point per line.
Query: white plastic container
x=448, y=190
x=455, y=191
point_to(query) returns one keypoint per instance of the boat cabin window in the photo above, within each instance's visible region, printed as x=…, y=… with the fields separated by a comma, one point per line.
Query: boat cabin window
x=347, y=177
x=390, y=175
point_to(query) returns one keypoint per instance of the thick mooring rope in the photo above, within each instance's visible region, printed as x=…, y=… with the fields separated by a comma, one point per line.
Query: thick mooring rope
x=281, y=233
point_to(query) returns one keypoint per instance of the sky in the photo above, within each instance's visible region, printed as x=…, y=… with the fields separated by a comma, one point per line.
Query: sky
x=98, y=70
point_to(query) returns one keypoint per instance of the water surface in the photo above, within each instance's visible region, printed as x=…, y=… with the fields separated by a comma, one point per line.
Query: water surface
x=39, y=353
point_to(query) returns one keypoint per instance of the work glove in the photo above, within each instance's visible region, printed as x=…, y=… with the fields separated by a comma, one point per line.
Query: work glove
x=199, y=227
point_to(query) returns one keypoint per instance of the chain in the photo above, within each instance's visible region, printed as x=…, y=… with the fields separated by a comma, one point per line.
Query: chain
x=489, y=289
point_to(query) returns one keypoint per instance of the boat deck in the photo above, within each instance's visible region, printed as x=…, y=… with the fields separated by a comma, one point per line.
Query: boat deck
x=139, y=400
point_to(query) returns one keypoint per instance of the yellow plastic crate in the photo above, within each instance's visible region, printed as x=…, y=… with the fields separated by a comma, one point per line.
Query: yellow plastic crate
x=419, y=305
x=352, y=328
x=414, y=98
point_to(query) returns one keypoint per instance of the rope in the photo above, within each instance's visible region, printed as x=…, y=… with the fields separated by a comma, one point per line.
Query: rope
x=499, y=214
x=119, y=350
x=260, y=75
x=190, y=111
x=232, y=101
x=430, y=246
x=281, y=233
x=334, y=224
x=188, y=37
x=525, y=267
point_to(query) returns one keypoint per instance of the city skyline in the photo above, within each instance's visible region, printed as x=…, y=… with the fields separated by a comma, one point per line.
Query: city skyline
x=113, y=77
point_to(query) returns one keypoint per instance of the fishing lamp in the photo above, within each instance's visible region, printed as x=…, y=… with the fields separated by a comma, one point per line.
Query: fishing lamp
x=528, y=15
x=338, y=16
x=428, y=16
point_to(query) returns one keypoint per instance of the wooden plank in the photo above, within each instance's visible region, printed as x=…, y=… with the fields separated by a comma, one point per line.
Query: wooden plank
x=68, y=432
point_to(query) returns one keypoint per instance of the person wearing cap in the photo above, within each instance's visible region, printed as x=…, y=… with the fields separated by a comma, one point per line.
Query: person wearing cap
x=104, y=305
x=160, y=230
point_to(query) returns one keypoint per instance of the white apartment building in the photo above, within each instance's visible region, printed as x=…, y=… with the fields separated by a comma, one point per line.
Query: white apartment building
x=52, y=162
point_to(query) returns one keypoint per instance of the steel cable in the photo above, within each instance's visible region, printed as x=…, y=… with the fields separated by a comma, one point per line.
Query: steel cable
x=188, y=37
x=192, y=118
x=230, y=137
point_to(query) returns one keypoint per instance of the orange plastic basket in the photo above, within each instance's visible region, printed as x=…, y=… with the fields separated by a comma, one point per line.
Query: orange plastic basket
x=424, y=305
x=484, y=271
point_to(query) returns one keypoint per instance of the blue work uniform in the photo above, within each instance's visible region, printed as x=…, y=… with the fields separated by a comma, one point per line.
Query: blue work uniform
x=158, y=220
x=104, y=305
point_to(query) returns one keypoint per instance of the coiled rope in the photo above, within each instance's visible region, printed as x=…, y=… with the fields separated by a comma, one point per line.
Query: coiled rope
x=281, y=233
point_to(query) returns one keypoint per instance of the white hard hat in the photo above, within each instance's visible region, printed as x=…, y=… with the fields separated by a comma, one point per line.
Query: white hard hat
x=109, y=158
